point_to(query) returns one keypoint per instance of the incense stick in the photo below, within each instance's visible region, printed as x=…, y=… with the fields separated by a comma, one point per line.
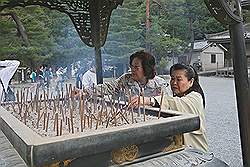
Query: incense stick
x=143, y=104
x=159, y=113
x=47, y=124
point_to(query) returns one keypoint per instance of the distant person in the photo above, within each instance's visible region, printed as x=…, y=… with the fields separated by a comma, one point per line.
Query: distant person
x=33, y=76
x=61, y=75
x=187, y=97
x=79, y=74
x=89, y=79
x=7, y=70
x=48, y=75
x=79, y=80
x=40, y=76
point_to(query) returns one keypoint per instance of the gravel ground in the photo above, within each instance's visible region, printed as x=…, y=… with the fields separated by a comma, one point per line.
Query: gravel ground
x=222, y=119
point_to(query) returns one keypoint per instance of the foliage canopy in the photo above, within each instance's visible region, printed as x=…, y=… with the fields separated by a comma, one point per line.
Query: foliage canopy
x=53, y=39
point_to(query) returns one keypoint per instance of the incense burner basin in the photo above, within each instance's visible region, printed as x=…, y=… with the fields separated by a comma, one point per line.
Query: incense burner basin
x=101, y=147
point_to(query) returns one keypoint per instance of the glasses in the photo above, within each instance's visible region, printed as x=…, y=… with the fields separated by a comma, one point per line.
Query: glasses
x=135, y=67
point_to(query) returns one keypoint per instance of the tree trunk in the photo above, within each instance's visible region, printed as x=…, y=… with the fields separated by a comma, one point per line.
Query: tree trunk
x=19, y=25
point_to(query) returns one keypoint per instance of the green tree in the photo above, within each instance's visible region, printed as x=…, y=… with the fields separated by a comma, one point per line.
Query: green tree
x=52, y=38
x=125, y=31
x=12, y=46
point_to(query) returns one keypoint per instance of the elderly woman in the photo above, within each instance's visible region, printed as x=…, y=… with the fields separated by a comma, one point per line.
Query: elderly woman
x=142, y=78
x=187, y=97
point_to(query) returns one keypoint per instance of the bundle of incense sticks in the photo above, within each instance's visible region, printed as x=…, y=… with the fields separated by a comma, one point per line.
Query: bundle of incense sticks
x=65, y=113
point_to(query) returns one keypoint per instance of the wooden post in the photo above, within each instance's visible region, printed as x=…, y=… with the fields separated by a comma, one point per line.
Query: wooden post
x=242, y=87
x=94, y=8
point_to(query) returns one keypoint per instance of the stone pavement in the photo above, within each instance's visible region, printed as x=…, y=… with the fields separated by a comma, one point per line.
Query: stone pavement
x=8, y=155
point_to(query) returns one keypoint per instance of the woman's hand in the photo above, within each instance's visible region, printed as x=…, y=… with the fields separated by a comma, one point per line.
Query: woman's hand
x=138, y=100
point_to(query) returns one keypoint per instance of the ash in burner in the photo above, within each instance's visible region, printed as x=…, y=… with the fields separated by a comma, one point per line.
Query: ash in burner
x=50, y=115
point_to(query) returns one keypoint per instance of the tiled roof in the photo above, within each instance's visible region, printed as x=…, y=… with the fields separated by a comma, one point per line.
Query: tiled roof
x=201, y=45
x=225, y=34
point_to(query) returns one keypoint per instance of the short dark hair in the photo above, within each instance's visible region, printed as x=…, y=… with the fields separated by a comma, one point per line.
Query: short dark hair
x=147, y=61
x=190, y=73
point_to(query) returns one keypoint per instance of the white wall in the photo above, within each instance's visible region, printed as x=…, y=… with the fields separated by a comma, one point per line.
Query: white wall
x=206, y=58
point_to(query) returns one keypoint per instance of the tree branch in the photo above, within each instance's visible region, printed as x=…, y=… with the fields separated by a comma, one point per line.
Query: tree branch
x=19, y=25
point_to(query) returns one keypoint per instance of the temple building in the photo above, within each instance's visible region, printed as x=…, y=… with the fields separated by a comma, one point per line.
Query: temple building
x=223, y=38
x=208, y=55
